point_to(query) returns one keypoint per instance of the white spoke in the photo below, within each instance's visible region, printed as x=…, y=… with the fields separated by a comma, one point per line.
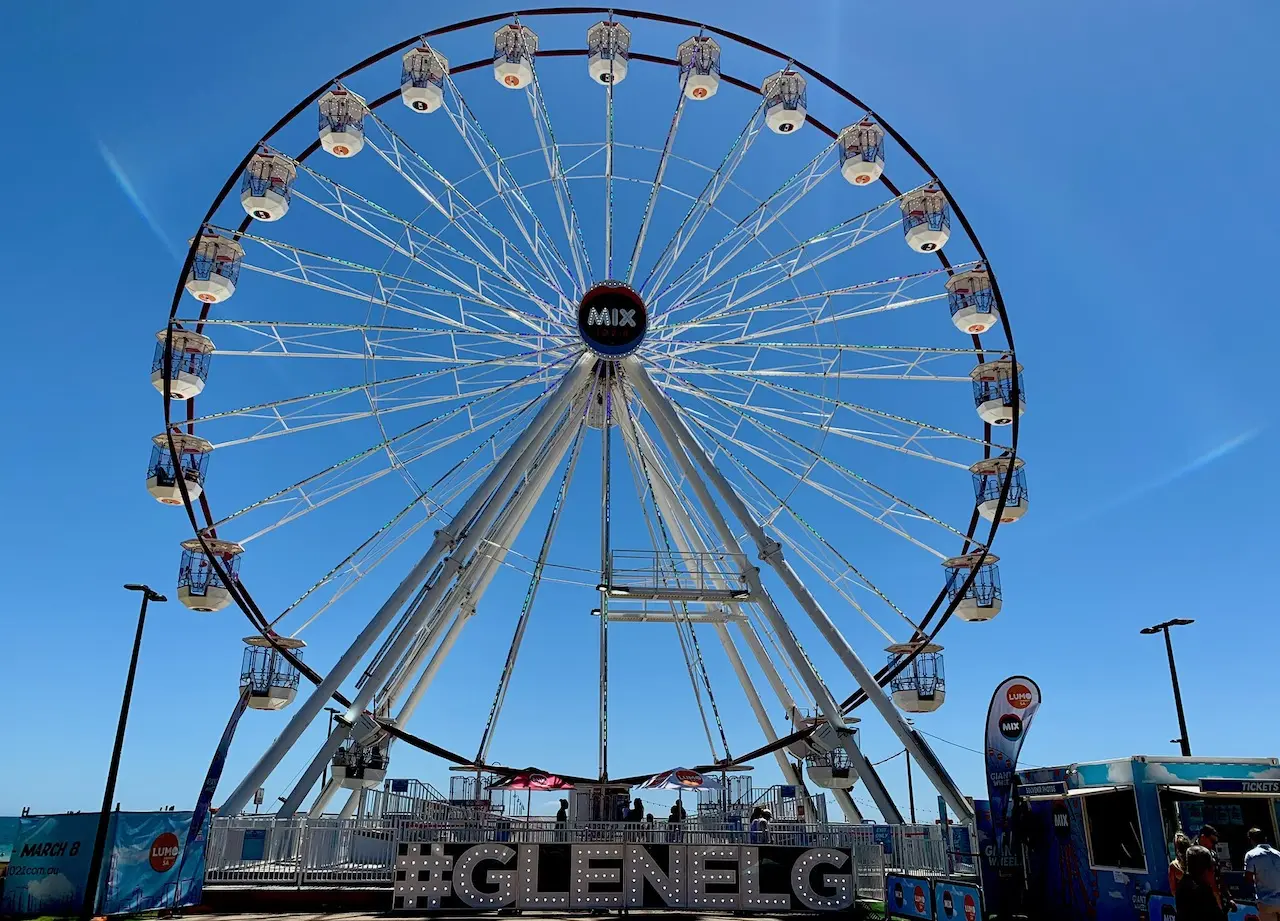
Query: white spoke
x=749, y=229
x=608, y=180
x=719, y=181
x=559, y=183
x=495, y=168
x=789, y=264
x=815, y=458
x=425, y=249
x=656, y=186
x=797, y=313
x=454, y=207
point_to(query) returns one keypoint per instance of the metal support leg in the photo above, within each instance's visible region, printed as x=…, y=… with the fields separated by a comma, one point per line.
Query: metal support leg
x=689, y=540
x=771, y=552
x=445, y=538
x=844, y=799
x=523, y=467
x=663, y=417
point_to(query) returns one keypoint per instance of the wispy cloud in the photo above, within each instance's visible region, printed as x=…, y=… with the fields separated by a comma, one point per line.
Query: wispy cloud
x=131, y=193
x=1172, y=476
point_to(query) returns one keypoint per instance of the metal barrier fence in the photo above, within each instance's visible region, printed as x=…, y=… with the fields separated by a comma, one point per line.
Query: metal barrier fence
x=332, y=851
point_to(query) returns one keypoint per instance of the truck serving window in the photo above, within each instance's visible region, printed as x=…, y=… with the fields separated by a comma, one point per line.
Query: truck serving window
x=1111, y=827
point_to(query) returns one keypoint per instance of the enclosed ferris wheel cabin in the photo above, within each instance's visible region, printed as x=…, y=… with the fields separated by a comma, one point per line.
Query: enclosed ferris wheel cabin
x=269, y=679
x=921, y=686
x=982, y=599
x=989, y=476
x=422, y=74
x=201, y=587
x=183, y=357
x=163, y=474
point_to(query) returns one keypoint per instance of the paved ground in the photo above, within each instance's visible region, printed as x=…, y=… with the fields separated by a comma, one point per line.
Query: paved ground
x=471, y=916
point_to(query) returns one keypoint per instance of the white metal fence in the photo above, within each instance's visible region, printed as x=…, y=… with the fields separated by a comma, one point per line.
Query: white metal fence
x=331, y=851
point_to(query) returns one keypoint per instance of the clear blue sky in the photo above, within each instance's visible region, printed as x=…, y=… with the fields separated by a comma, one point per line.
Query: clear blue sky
x=1113, y=159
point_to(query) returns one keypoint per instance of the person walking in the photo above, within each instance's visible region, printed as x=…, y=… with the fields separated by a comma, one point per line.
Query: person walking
x=1195, y=899
x=1178, y=866
x=1262, y=871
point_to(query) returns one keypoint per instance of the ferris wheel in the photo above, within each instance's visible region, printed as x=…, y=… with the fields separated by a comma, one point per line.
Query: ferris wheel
x=440, y=302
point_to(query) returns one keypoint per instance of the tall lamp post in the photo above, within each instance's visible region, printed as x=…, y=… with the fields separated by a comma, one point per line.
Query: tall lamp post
x=104, y=819
x=1173, y=675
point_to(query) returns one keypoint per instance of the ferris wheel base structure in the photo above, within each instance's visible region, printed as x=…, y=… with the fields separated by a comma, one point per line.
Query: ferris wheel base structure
x=718, y=376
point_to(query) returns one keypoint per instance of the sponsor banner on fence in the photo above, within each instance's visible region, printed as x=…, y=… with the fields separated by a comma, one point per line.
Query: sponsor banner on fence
x=908, y=897
x=956, y=901
x=559, y=877
x=148, y=867
x=49, y=864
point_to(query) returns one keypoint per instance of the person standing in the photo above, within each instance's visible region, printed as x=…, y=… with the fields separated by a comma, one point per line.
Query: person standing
x=562, y=820
x=1195, y=899
x=1178, y=866
x=1262, y=871
x=1209, y=841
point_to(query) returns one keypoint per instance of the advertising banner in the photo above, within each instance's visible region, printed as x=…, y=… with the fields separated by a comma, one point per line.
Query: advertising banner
x=956, y=901
x=210, y=786
x=908, y=897
x=1013, y=706
x=147, y=870
x=431, y=876
x=49, y=864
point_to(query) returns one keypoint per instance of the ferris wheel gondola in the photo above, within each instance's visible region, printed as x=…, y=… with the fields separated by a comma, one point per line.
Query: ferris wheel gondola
x=486, y=305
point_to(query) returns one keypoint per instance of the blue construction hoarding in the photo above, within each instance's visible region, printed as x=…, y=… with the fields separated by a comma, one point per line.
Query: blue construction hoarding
x=144, y=867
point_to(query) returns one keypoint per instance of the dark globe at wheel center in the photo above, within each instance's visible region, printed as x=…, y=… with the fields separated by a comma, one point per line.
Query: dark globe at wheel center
x=612, y=320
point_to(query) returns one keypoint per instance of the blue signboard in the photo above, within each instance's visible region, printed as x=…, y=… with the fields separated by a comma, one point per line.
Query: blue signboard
x=956, y=901
x=1160, y=908
x=49, y=865
x=148, y=869
x=254, y=845
x=883, y=836
x=908, y=897
x=1239, y=785
x=1049, y=788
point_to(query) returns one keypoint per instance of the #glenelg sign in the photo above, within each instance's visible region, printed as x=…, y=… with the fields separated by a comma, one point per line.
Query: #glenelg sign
x=493, y=875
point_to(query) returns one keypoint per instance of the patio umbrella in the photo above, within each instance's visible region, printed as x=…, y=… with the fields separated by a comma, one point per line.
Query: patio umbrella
x=681, y=779
x=531, y=779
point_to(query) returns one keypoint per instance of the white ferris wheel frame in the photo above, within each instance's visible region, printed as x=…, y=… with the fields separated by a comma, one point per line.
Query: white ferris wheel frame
x=525, y=469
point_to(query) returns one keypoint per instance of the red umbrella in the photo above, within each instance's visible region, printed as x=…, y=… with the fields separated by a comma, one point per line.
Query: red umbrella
x=531, y=779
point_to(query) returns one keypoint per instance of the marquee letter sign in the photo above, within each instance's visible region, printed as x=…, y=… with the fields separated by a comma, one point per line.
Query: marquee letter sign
x=461, y=876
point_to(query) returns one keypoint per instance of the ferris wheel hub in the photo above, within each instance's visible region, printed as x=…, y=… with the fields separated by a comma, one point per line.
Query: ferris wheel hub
x=612, y=320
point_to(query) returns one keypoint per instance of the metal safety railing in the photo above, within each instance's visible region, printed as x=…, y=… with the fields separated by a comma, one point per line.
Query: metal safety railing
x=332, y=851
x=647, y=570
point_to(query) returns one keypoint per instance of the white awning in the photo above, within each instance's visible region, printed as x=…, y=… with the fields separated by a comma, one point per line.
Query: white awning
x=1194, y=790
x=1108, y=788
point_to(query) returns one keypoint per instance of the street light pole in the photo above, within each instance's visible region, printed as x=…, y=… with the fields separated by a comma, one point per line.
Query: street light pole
x=104, y=818
x=1183, y=740
x=911, y=793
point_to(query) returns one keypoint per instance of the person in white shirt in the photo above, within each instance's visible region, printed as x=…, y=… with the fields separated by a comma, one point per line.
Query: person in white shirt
x=1262, y=871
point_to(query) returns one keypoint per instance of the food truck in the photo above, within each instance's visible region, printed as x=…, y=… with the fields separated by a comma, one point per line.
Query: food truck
x=1095, y=840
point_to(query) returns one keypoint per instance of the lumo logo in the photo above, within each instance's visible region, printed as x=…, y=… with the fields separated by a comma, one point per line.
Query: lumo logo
x=164, y=852
x=1019, y=696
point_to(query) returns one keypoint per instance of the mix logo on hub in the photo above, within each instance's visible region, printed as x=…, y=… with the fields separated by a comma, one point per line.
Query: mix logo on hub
x=611, y=316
